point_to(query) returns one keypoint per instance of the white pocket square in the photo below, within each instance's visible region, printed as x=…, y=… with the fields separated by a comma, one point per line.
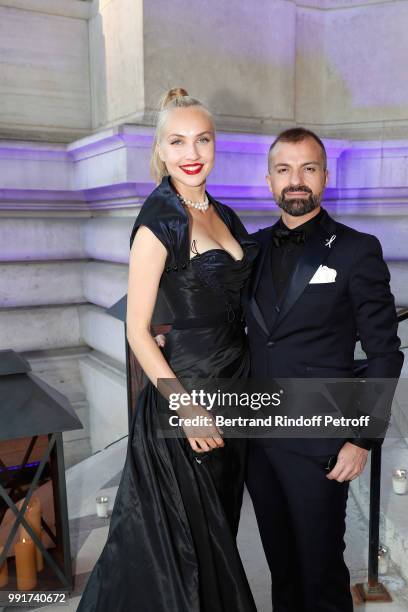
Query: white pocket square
x=323, y=274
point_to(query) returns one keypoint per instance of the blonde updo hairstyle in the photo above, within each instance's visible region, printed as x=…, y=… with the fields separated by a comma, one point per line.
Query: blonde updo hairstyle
x=174, y=98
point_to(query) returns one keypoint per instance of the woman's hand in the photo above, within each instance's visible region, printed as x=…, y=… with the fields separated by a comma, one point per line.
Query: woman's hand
x=206, y=436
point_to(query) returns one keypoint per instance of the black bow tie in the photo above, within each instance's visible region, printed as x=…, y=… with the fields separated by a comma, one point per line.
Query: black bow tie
x=281, y=236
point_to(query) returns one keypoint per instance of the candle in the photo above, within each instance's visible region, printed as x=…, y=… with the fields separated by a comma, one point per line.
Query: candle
x=102, y=506
x=26, y=567
x=3, y=571
x=399, y=481
x=33, y=517
x=382, y=560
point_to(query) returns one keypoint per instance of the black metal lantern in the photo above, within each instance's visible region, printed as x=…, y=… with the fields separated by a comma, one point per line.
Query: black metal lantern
x=33, y=416
x=161, y=320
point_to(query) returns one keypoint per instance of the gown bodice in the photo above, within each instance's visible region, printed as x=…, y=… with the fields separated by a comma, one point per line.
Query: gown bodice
x=210, y=285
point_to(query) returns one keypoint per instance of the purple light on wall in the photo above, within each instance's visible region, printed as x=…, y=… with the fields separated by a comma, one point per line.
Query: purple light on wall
x=31, y=153
x=238, y=177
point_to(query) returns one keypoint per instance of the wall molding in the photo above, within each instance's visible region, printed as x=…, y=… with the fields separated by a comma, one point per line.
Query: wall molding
x=108, y=171
x=335, y=5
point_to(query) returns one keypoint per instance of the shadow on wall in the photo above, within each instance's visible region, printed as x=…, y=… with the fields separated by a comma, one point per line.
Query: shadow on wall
x=242, y=114
x=225, y=98
x=235, y=107
x=344, y=115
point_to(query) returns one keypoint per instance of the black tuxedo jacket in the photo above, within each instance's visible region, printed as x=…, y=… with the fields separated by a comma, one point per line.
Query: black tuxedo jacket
x=312, y=331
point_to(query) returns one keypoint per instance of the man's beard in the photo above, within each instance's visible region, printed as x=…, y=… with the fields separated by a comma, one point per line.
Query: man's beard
x=298, y=207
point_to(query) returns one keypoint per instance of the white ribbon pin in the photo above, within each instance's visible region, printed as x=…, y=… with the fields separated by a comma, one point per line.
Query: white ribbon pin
x=329, y=241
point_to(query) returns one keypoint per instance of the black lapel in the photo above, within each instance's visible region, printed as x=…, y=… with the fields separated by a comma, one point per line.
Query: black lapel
x=260, y=263
x=258, y=316
x=315, y=252
x=264, y=242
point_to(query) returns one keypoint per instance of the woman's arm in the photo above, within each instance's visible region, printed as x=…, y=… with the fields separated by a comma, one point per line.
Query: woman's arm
x=146, y=265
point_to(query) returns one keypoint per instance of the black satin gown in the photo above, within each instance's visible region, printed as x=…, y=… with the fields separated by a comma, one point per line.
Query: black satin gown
x=172, y=537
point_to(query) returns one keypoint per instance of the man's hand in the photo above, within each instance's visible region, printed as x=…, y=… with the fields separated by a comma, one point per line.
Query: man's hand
x=160, y=340
x=350, y=463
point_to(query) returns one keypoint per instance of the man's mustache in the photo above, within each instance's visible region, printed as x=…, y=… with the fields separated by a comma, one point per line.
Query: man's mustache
x=296, y=189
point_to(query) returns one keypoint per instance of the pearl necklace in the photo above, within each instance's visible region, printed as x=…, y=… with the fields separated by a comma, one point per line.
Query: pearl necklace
x=199, y=205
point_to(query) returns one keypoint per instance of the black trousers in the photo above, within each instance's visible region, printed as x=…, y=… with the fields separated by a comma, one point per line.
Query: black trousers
x=301, y=519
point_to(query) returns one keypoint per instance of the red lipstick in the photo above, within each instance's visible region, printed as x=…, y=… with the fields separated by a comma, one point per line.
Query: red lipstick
x=192, y=168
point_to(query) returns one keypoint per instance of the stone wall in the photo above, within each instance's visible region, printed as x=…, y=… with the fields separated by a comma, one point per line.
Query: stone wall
x=72, y=67
x=44, y=69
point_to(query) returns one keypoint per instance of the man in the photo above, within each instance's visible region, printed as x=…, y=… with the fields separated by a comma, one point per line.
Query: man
x=297, y=329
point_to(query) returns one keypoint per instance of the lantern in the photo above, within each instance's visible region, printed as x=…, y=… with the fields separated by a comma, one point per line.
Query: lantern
x=33, y=501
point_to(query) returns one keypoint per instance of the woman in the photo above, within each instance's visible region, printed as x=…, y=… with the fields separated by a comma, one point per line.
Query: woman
x=172, y=537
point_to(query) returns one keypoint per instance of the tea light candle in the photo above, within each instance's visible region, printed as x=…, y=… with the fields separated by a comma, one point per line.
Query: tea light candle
x=3, y=570
x=102, y=506
x=26, y=567
x=383, y=558
x=399, y=481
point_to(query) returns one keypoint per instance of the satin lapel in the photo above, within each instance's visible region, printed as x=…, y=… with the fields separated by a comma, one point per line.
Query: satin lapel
x=257, y=274
x=315, y=253
x=260, y=261
x=258, y=316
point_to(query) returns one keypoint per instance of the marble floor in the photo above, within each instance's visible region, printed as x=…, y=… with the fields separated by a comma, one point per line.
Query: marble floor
x=100, y=474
